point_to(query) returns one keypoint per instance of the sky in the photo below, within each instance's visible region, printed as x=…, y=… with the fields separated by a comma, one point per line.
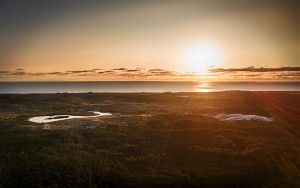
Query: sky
x=149, y=40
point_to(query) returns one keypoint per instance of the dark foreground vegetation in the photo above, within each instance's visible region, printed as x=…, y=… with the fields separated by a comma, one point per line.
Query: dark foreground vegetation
x=152, y=140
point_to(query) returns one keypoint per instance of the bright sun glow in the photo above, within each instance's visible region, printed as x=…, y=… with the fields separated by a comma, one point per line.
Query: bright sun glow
x=202, y=57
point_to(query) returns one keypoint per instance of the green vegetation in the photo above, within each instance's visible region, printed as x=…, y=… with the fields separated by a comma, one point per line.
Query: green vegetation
x=175, y=144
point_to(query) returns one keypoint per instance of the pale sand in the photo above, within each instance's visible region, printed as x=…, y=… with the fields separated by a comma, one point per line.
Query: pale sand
x=242, y=117
x=49, y=119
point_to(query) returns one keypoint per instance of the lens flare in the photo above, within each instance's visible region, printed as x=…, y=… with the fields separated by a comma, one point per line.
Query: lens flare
x=200, y=58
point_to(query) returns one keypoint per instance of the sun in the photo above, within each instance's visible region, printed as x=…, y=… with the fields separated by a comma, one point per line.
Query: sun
x=202, y=57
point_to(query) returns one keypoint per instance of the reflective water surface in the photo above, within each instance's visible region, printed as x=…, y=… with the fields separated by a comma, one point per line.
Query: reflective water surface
x=144, y=86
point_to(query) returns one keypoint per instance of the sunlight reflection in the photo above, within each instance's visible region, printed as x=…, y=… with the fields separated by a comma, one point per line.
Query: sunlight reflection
x=204, y=87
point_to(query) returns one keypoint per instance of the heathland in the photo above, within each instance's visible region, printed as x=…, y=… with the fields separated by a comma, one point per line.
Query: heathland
x=150, y=140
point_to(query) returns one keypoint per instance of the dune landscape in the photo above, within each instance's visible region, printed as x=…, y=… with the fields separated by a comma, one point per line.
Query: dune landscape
x=149, y=93
x=151, y=139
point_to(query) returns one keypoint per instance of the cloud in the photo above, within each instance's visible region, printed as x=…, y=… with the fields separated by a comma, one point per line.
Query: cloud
x=80, y=71
x=106, y=72
x=262, y=73
x=109, y=71
x=161, y=72
x=18, y=73
x=132, y=70
x=254, y=69
x=155, y=70
x=36, y=74
x=126, y=70
x=248, y=75
x=4, y=72
x=289, y=75
x=119, y=69
x=58, y=73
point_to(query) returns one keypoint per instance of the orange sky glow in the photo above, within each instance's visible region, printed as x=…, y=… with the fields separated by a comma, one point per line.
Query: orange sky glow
x=143, y=40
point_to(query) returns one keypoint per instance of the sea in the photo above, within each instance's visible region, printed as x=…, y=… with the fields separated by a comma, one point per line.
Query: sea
x=144, y=86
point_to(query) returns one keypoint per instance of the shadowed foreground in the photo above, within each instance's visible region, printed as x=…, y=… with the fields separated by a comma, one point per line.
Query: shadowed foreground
x=168, y=139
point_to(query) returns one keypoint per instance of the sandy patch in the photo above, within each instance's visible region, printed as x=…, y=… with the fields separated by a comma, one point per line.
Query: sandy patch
x=49, y=119
x=242, y=117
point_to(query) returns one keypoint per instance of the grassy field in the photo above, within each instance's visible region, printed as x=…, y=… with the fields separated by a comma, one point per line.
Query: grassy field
x=151, y=140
